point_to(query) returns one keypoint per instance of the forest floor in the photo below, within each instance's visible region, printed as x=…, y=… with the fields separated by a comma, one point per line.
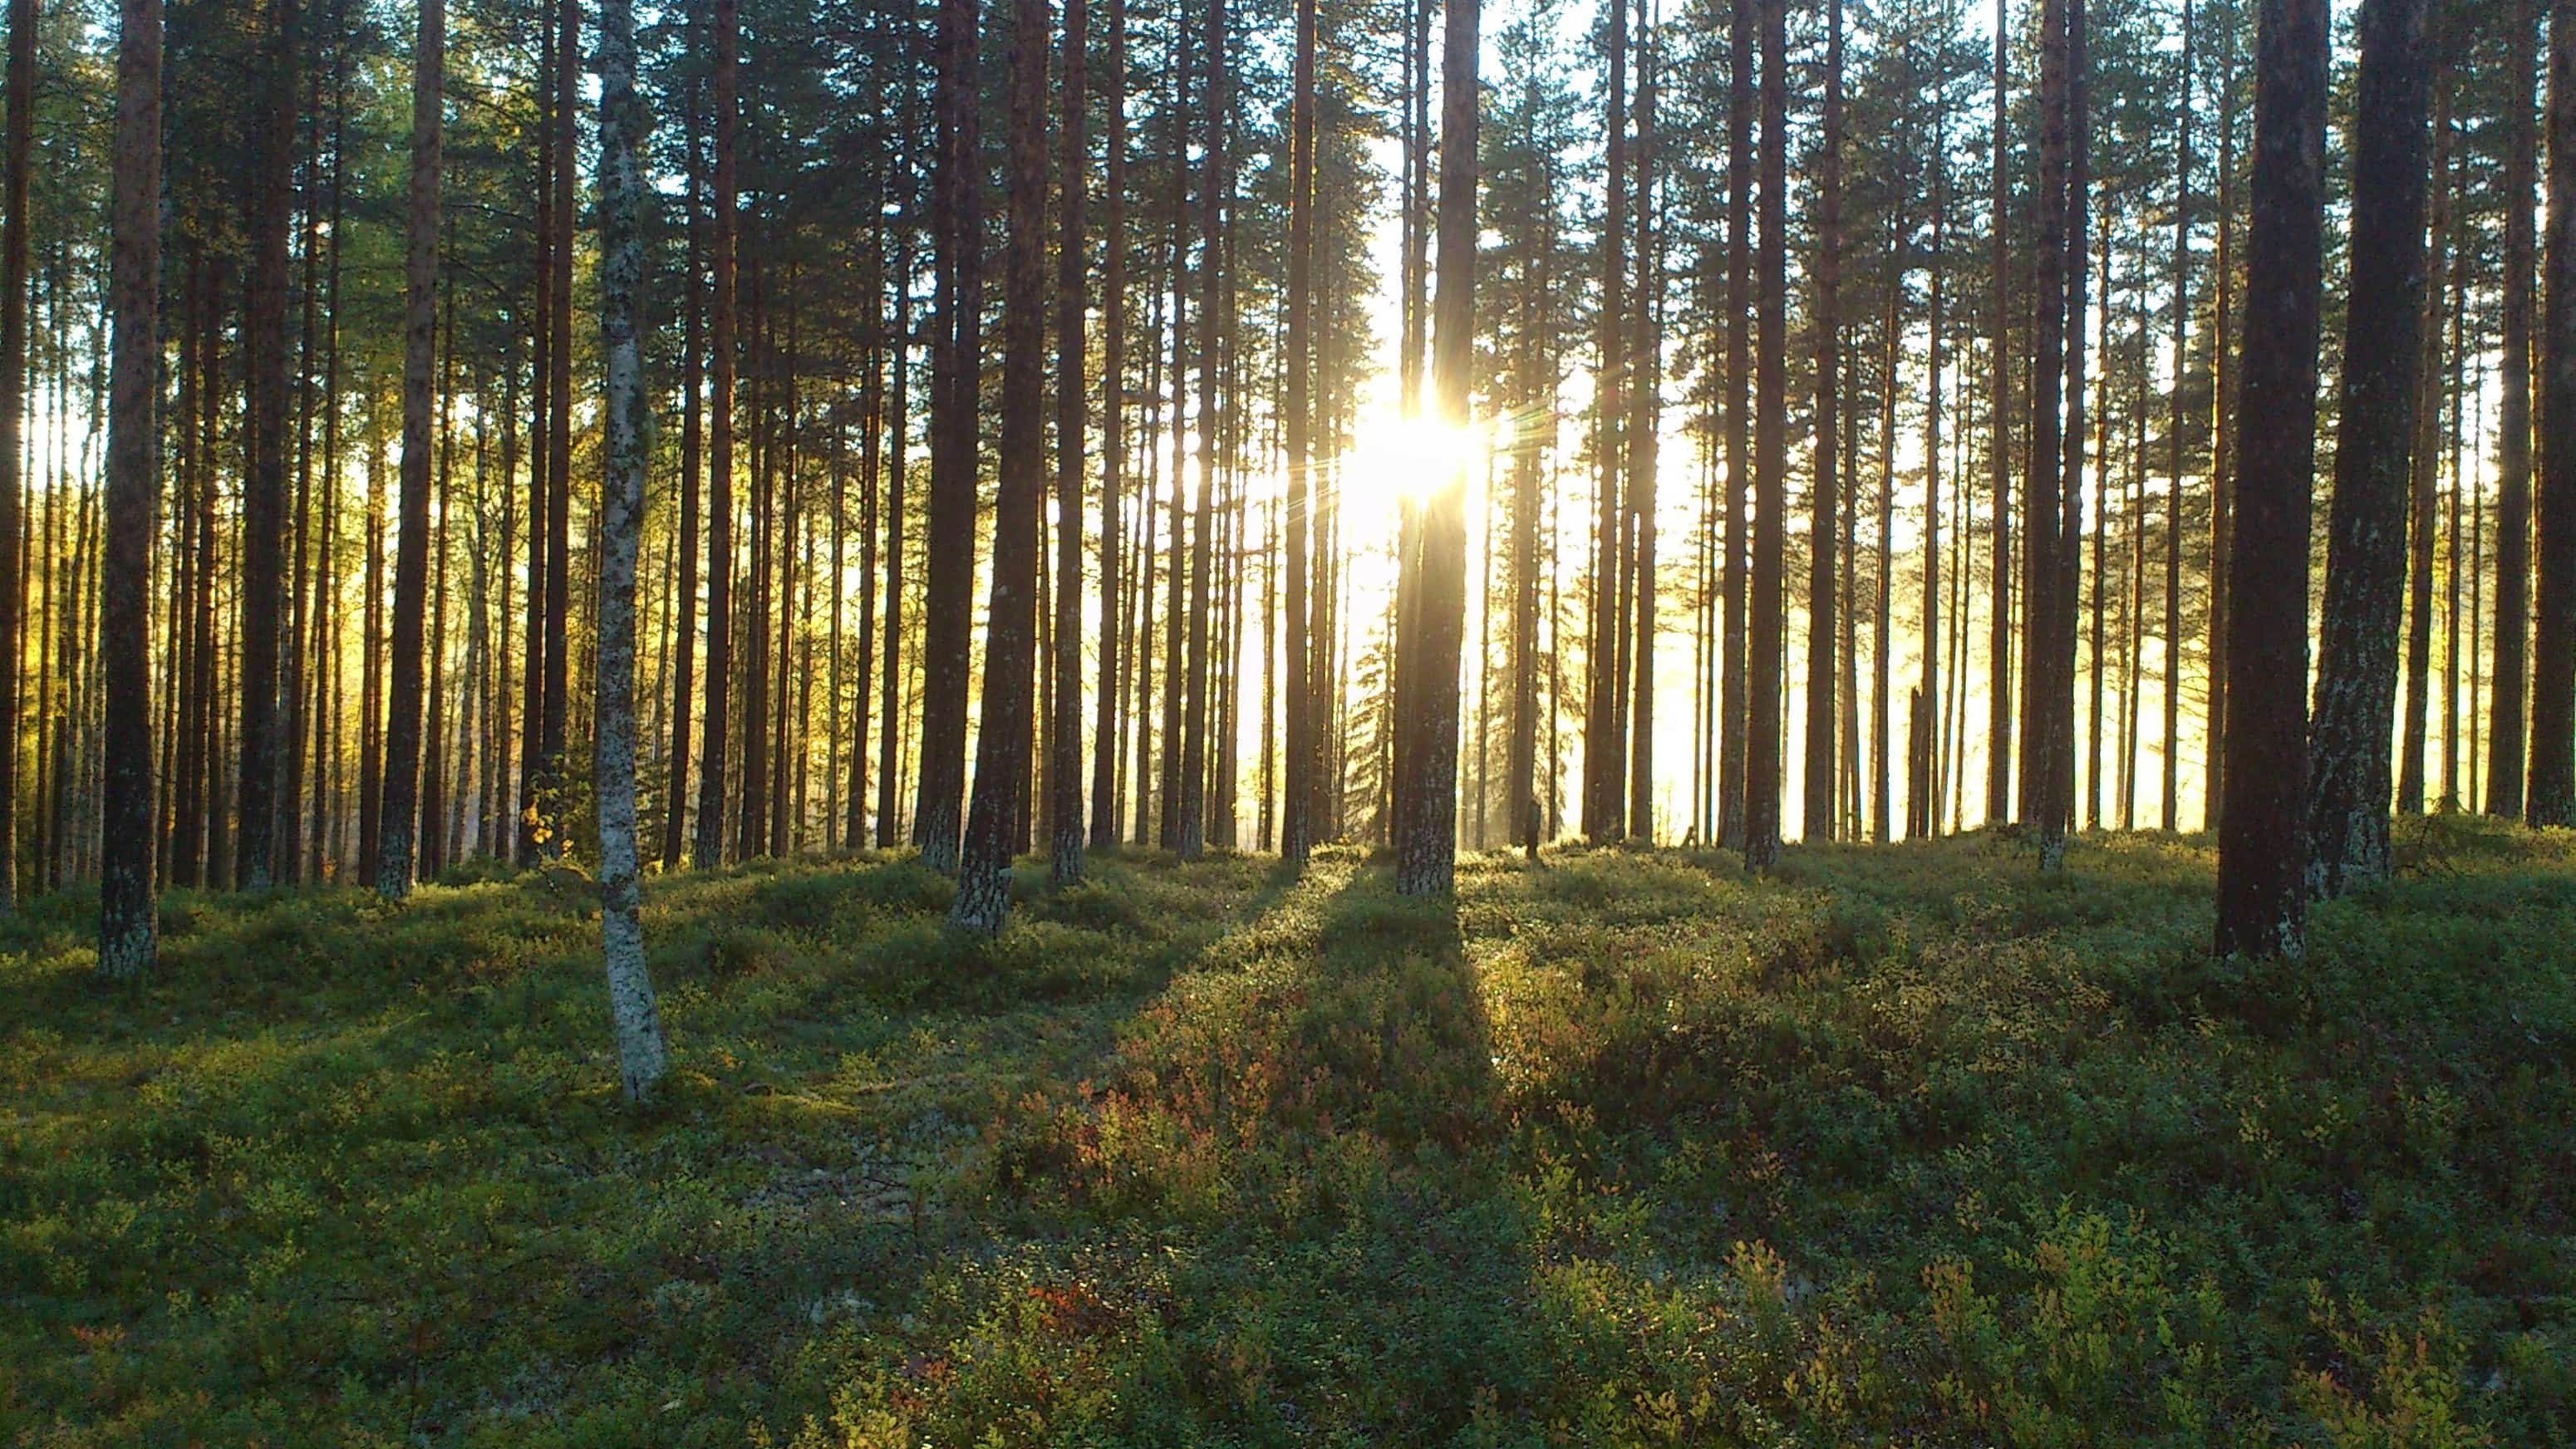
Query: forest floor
x=1903, y=1145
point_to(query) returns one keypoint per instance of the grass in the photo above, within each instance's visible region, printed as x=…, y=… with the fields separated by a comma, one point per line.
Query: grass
x=1902, y=1146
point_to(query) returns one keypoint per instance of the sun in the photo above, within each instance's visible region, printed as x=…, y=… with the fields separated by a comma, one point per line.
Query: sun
x=1395, y=459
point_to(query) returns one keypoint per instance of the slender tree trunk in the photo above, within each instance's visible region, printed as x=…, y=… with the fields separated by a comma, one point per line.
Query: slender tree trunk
x=1645, y=420
x=127, y=930
x=2513, y=421
x=641, y=1056
x=1111, y=696
x=558, y=519
x=2552, y=798
x=957, y=222
x=2406, y=533
x=1426, y=841
x=899, y=427
x=1603, y=787
x=1999, y=694
x=1771, y=390
x=708, y=848
x=1734, y=719
x=13, y=404
x=2171, y=815
x=1002, y=734
x=1191, y=801
x=2222, y=452
x=684, y=630
x=1296, y=826
x=1823, y=531
x=1064, y=727
x=2262, y=836
x=397, y=795
x=264, y=485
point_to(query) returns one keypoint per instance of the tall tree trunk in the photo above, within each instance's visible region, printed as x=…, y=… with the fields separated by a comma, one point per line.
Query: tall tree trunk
x=1426, y=839
x=957, y=222
x=1194, y=784
x=1064, y=727
x=1999, y=695
x=1823, y=531
x=1110, y=695
x=2262, y=836
x=558, y=519
x=2414, y=510
x=2506, y=746
x=2223, y=386
x=1771, y=500
x=2552, y=798
x=684, y=630
x=397, y=796
x=127, y=930
x=2057, y=812
x=13, y=406
x=2171, y=816
x=264, y=485
x=899, y=427
x=2041, y=514
x=1002, y=733
x=1603, y=792
x=533, y=796
x=708, y=849
x=1733, y=708
x=641, y=1056
x=1296, y=825
x=1645, y=419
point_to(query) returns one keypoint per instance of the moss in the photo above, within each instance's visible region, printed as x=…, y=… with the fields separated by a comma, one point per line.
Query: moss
x=1906, y=1145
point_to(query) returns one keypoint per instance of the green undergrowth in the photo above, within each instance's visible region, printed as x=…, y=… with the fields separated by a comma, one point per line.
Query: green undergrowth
x=1905, y=1145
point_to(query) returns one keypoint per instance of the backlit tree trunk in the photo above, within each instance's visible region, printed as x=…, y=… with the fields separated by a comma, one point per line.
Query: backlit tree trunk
x=398, y=795
x=2262, y=836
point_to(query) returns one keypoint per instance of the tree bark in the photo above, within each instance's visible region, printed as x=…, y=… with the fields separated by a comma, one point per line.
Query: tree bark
x=1734, y=719
x=1110, y=697
x=1999, y=694
x=264, y=484
x=13, y=405
x=127, y=929
x=1603, y=787
x=641, y=1056
x=1064, y=728
x=1002, y=733
x=2552, y=797
x=1818, y=820
x=708, y=852
x=2506, y=735
x=1771, y=392
x=2262, y=836
x=397, y=796
x=1426, y=841
x=1296, y=821
x=956, y=376
x=684, y=630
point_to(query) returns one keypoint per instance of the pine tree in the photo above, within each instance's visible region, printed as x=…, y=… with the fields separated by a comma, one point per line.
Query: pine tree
x=1426, y=833
x=1003, y=726
x=127, y=926
x=397, y=796
x=2262, y=836
x=2552, y=788
x=2506, y=735
x=1064, y=729
x=2348, y=735
x=708, y=850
